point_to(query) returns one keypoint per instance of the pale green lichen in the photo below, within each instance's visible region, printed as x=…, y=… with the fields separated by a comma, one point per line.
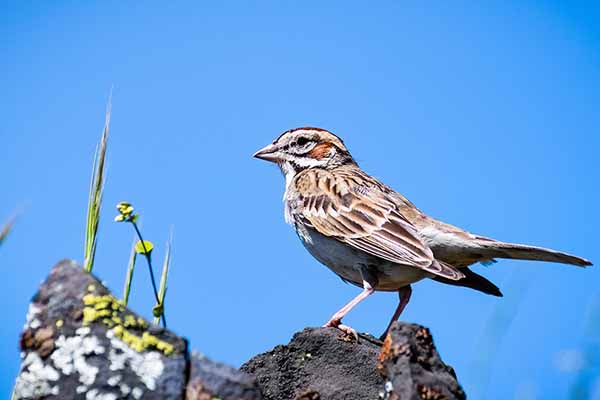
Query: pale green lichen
x=36, y=378
x=90, y=315
x=147, y=365
x=72, y=352
x=144, y=342
x=31, y=320
x=137, y=393
x=108, y=310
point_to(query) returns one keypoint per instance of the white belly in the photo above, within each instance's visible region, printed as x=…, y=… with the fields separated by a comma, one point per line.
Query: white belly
x=347, y=262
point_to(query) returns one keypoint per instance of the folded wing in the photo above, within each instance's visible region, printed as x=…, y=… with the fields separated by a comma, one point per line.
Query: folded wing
x=359, y=211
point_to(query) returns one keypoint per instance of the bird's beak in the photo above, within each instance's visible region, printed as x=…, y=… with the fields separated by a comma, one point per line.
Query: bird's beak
x=268, y=153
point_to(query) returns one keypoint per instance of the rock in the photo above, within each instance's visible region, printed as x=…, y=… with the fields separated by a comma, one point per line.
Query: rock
x=80, y=342
x=324, y=364
x=413, y=367
x=210, y=380
x=319, y=363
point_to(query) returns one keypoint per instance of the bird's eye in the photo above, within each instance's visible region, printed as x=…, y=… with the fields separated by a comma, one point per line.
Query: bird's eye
x=302, y=141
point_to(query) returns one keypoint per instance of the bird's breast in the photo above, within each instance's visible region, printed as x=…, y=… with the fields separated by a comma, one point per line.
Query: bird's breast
x=347, y=261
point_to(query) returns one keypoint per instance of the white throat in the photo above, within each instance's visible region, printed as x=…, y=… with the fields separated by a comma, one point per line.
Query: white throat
x=289, y=173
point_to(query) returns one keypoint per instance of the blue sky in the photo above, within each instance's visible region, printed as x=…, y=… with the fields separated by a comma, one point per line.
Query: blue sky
x=484, y=116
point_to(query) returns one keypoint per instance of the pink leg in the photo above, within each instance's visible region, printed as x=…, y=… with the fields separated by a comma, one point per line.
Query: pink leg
x=336, y=320
x=404, y=294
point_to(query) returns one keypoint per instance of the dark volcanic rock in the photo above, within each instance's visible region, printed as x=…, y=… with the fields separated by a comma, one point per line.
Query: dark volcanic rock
x=324, y=364
x=413, y=366
x=319, y=363
x=210, y=380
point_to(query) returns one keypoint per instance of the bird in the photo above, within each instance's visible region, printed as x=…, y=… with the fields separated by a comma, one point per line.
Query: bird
x=372, y=236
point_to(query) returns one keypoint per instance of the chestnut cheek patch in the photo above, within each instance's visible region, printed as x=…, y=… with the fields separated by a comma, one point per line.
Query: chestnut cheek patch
x=320, y=151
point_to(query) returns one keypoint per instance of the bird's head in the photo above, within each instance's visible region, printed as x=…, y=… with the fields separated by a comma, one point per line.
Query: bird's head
x=301, y=148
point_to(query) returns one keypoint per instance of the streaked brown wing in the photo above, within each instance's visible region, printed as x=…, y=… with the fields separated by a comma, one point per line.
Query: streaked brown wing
x=358, y=210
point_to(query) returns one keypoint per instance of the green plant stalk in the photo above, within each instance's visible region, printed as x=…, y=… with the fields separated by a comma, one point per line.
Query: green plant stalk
x=129, y=276
x=149, y=261
x=95, y=195
x=162, y=291
x=91, y=221
x=6, y=229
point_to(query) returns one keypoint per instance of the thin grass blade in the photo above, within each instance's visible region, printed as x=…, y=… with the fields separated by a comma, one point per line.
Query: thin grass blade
x=95, y=194
x=162, y=291
x=6, y=229
x=129, y=275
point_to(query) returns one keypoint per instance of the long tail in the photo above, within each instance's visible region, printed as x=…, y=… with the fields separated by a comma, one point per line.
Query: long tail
x=495, y=249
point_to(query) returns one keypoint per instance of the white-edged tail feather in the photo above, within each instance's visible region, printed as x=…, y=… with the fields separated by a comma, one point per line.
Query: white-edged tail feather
x=496, y=249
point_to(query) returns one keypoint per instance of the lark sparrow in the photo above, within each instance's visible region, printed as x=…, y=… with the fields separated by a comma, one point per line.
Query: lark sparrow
x=372, y=236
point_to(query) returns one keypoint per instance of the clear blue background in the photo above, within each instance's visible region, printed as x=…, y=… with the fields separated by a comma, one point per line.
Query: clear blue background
x=485, y=116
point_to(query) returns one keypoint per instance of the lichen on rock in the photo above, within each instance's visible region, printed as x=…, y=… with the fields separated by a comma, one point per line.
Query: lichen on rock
x=111, y=312
x=79, y=341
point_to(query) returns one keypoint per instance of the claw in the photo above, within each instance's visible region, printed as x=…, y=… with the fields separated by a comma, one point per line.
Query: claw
x=336, y=323
x=348, y=331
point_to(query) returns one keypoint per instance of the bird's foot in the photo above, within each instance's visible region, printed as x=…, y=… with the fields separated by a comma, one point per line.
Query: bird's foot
x=337, y=323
